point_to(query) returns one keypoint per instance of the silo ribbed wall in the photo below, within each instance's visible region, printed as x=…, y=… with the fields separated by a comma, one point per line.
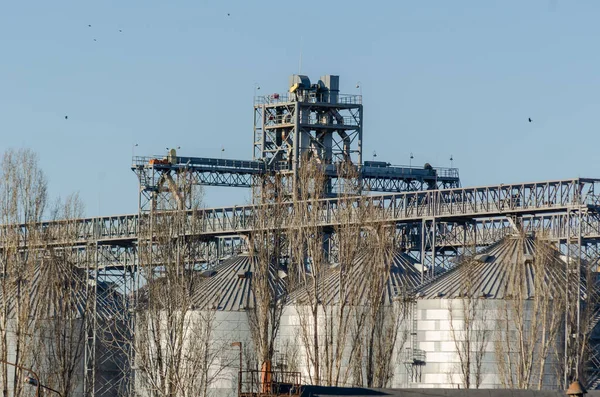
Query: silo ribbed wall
x=478, y=314
x=46, y=337
x=296, y=335
x=224, y=297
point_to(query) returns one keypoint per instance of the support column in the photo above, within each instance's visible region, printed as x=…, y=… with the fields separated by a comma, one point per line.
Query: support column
x=428, y=242
x=573, y=335
x=91, y=263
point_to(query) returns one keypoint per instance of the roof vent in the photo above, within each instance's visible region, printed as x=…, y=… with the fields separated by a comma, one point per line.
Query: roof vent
x=244, y=274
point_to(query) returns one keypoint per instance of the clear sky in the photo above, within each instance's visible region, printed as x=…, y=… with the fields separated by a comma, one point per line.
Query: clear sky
x=438, y=78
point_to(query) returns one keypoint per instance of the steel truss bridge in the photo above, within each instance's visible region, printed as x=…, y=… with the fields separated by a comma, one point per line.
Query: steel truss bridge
x=382, y=177
x=448, y=219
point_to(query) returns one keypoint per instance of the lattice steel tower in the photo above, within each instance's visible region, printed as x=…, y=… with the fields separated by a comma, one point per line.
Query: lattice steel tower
x=309, y=121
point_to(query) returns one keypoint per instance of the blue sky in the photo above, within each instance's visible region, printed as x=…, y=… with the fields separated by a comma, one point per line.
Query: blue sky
x=438, y=78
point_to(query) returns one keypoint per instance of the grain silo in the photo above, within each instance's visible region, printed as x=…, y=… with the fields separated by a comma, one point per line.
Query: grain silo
x=361, y=316
x=494, y=321
x=227, y=292
x=45, y=312
x=218, y=316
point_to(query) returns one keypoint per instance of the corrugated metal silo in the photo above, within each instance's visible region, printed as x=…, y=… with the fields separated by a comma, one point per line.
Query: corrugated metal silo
x=475, y=324
x=227, y=292
x=370, y=303
x=54, y=328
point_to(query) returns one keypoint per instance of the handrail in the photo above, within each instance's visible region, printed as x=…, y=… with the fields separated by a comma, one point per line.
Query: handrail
x=259, y=166
x=309, y=97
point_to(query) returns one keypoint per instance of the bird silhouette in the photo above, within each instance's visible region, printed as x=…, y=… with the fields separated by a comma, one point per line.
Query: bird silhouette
x=530, y=120
x=228, y=14
x=66, y=117
x=89, y=26
x=120, y=31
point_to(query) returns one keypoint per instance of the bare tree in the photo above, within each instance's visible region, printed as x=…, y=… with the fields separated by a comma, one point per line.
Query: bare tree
x=23, y=200
x=530, y=317
x=172, y=341
x=386, y=310
x=309, y=261
x=63, y=306
x=176, y=350
x=267, y=243
x=325, y=318
x=174, y=344
x=382, y=306
x=469, y=327
x=340, y=304
x=339, y=311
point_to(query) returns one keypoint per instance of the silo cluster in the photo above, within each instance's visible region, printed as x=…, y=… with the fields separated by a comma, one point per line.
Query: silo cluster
x=469, y=327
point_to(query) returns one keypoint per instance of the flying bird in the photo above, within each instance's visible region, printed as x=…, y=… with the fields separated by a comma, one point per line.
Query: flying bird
x=530, y=120
x=95, y=40
x=228, y=14
x=89, y=26
x=66, y=117
x=120, y=31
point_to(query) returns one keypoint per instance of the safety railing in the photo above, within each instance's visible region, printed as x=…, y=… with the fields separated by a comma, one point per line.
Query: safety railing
x=269, y=383
x=475, y=202
x=593, y=199
x=405, y=171
x=446, y=172
x=138, y=161
x=272, y=119
x=308, y=97
x=347, y=121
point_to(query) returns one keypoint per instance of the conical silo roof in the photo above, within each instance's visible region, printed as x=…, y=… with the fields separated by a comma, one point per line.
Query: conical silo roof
x=228, y=287
x=507, y=269
x=403, y=276
x=72, y=281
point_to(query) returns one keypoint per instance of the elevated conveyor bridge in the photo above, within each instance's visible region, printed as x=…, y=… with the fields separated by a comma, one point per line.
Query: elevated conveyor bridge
x=537, y=204
x=375, y=176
